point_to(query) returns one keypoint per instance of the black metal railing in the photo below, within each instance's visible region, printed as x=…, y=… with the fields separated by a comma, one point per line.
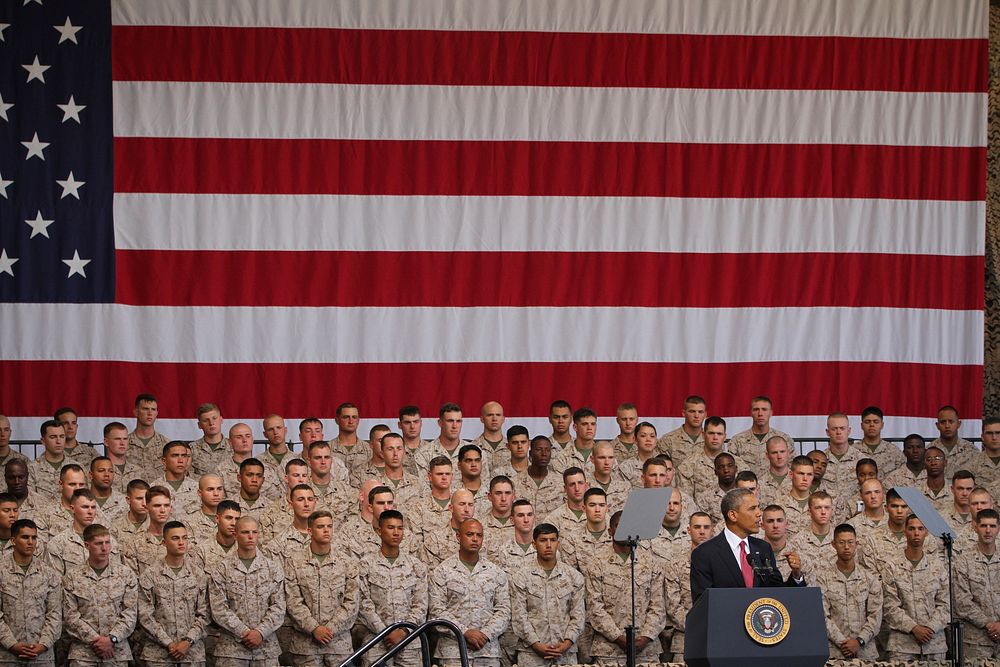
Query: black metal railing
x=417, y=632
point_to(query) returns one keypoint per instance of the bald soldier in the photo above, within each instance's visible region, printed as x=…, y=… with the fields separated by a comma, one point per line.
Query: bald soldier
x=440, y=543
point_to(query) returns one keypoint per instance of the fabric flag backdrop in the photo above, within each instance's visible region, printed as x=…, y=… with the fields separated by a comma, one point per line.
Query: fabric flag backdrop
x=452, y=200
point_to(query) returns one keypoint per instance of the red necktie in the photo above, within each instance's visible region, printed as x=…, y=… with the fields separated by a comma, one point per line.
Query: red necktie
x=745, y=566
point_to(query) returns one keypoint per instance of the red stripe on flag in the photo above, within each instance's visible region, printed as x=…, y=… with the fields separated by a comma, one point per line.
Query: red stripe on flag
x=654, y=280
x=253, y=390
x=366, y=167
x=471, y=58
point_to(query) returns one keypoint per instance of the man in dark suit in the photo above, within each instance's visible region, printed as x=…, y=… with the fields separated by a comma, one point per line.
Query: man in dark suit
x=736, y=559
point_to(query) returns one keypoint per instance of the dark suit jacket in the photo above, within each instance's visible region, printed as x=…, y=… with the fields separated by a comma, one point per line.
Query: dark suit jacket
x=713, y=566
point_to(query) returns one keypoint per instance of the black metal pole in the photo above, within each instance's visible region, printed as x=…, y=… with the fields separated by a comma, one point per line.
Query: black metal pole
x=954, y=627
x=630, y=657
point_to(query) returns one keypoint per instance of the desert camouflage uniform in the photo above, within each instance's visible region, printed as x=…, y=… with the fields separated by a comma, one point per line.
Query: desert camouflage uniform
x=666, y=544
x=272, y=488
x=479, y=599
x=987, y=473
x=354, y=457
x=210, y=553
x=122, y=529
x=184, y=497
x=58, y=518
x=624, y=450
x=796, y=514
x=569, y=457
x=960, y=457
x=942, y=500
x=977, y=601
x=173, y=606
x=546, y=607
x=207, y=459
x=114, y=506
x=433, y=449
x=275, y=519
x=816, y=551
x=498, y=455
x=916, y=594
x=508, y=554
x=67, y=551
x=321, y=593
x=772, y=490
x=677, y=597
x=879, y=548
x=840, y=477
x=679, y=445
x=277, y=467
x=902, y=476
x=852, y=604
x=30, y=608
x=578, y=547
x=337, y=497
x=99, y=605
x=439, y=545
x=82, y=453
x=616, y=490
x=145, y=456
x=410, y=457
x=252, y=508
x=393, y=592
x=143, y=551
x=558, y=446
x=43, y=479
x=887, y=455
x=546, y=496
x=243, y=599
x=630, y=471
x=126, y=473
x=425, y=515
x=566, y=520
x=494, y=529
x=287, y=542
x=751, y=451
x=201, y=527
x=709, y=500
x=607, y=577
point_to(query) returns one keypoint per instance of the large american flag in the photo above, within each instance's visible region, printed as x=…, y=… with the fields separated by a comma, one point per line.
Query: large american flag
x=280, y=205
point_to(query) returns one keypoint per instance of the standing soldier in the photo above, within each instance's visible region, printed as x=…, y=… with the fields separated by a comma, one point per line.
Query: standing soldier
x=547, y=605
x=472, y=593
x=677, y=582
x=30, y=600
x=247, y=598
x=393, y=587
x=99, y=604
x=173, y=604
x=977, y=602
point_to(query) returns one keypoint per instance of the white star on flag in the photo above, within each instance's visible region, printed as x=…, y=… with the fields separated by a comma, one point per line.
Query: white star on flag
x=71, y=110
x=39, y=226
x=36, y=70
x=3, y=108
x=3, y=26
x=3, y=186
x=70, y=186
x=27, y=1
x=67, y=31
x=35, y=147
x=76, y=264
x=7, y=263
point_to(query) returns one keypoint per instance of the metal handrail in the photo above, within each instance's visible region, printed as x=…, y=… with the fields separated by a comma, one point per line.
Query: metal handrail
x=418, y=632
x=374, y=641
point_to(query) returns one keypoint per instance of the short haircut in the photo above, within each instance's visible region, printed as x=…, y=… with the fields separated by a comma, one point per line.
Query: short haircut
x=732, y=501
x=865, y=462
x=724, y=455
x=915, y=436
x=746, y=476
x=988, y=513
x=800, y=461
x=378, y=490
x=991, y=421
x=98, y=459
x=945, y=408
x=114, y=426
x=6, y=497
x=698, y=515
x=226, y=506
x=571, y=471
x=175, y=443
x=594, y=491
x=654, y=461
x=64, y=411
x=251, y=462
x=205, y=408
x=344, y=406
x=559, y=403
x=844, y=528
x=819, y=495
x=500, y=479
x=154, y=491
x=389, y=514
x=317, y=515
x=774, y=508
x=465, y=449
x=378, y=428
x=68, y=468
x=309, y=420
x=891, y=495
x=448, y=407
x=136, y=484
x=544, y=529
x=520, y=502
x=517, y=429
x=47, y=424
x=295, y=462
x=318, y=444
x=872, y=410
x=145, y=398
x=760, y=398
x=439, y=461
x=82, y=493
x=300, y=487
x=409, y=411
x=913, y=517
x=641, y=425
x=694, y=399
x=539, y=439
x=715, y=421
x=93, y=531
x=963, y=474
x=582, y=413
x=172, y=525
x=389, y=435
x=21, y=524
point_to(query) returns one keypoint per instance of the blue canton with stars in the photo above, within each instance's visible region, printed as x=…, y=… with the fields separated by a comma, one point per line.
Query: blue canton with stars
x=57, y=153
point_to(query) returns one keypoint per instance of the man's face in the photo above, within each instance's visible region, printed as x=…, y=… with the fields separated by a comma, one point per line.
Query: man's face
x=725, y=470
x=846, y=546
x=986, y=530
x=210, y=423
x=748, y=484
x=700, y=529
x=914, y=449
x=296, y=475
x=492, y=417
x=654, y=477
x=586, y=428
x=102, y=475
x=382, y=502
x=348, y=420
x=715, y=437
x=9, y=513
x=978, y=501
x=177, y=460
x=575, y=486
x=158, y=509
x=747, y=517
x=865, y=472
x=947, y=424
x=393, y=451
x=303, y=503
x=391, y=532
x=227, y=522
x=470, y=536
x=897, y=510
x=596, y=508
x=99, y=548
x=518, y=446
x=410, y=426
x=991, y=438
x=84, y=511
x=627, y=419
x=321, y=531
x=176, y=541
x=69, y=422
x=451, y=425
x=54, y=440
x=211, y=491
x=802, y=478
x=915, y=533
x=320, y=460
x=26, y=542
x=16, y=476
x=247, y=534
x=675, y=506
x=523, y=518
x=775, y=525
x=547, y=545
x=872, y=425
x=872, y=494
x=4, y=432
x=241, y=440
x=760, y=411
x=819, y=462
x=961, y=489
x=935, y=462
x=645, y=439
x=604, y=460
x=471, y=465
x=441, y=477
x=820, y=511
x=777, y=454
x=251, y=479
x=275, y=431
x=501, y=498
x=310, y=432
x=70, y=482
x=838, y=429
x=137, y=502
x=463, y=506
x=146, y=412
x=116, y=442
x=694, y=415
x=540, y=453
x=560, y=419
